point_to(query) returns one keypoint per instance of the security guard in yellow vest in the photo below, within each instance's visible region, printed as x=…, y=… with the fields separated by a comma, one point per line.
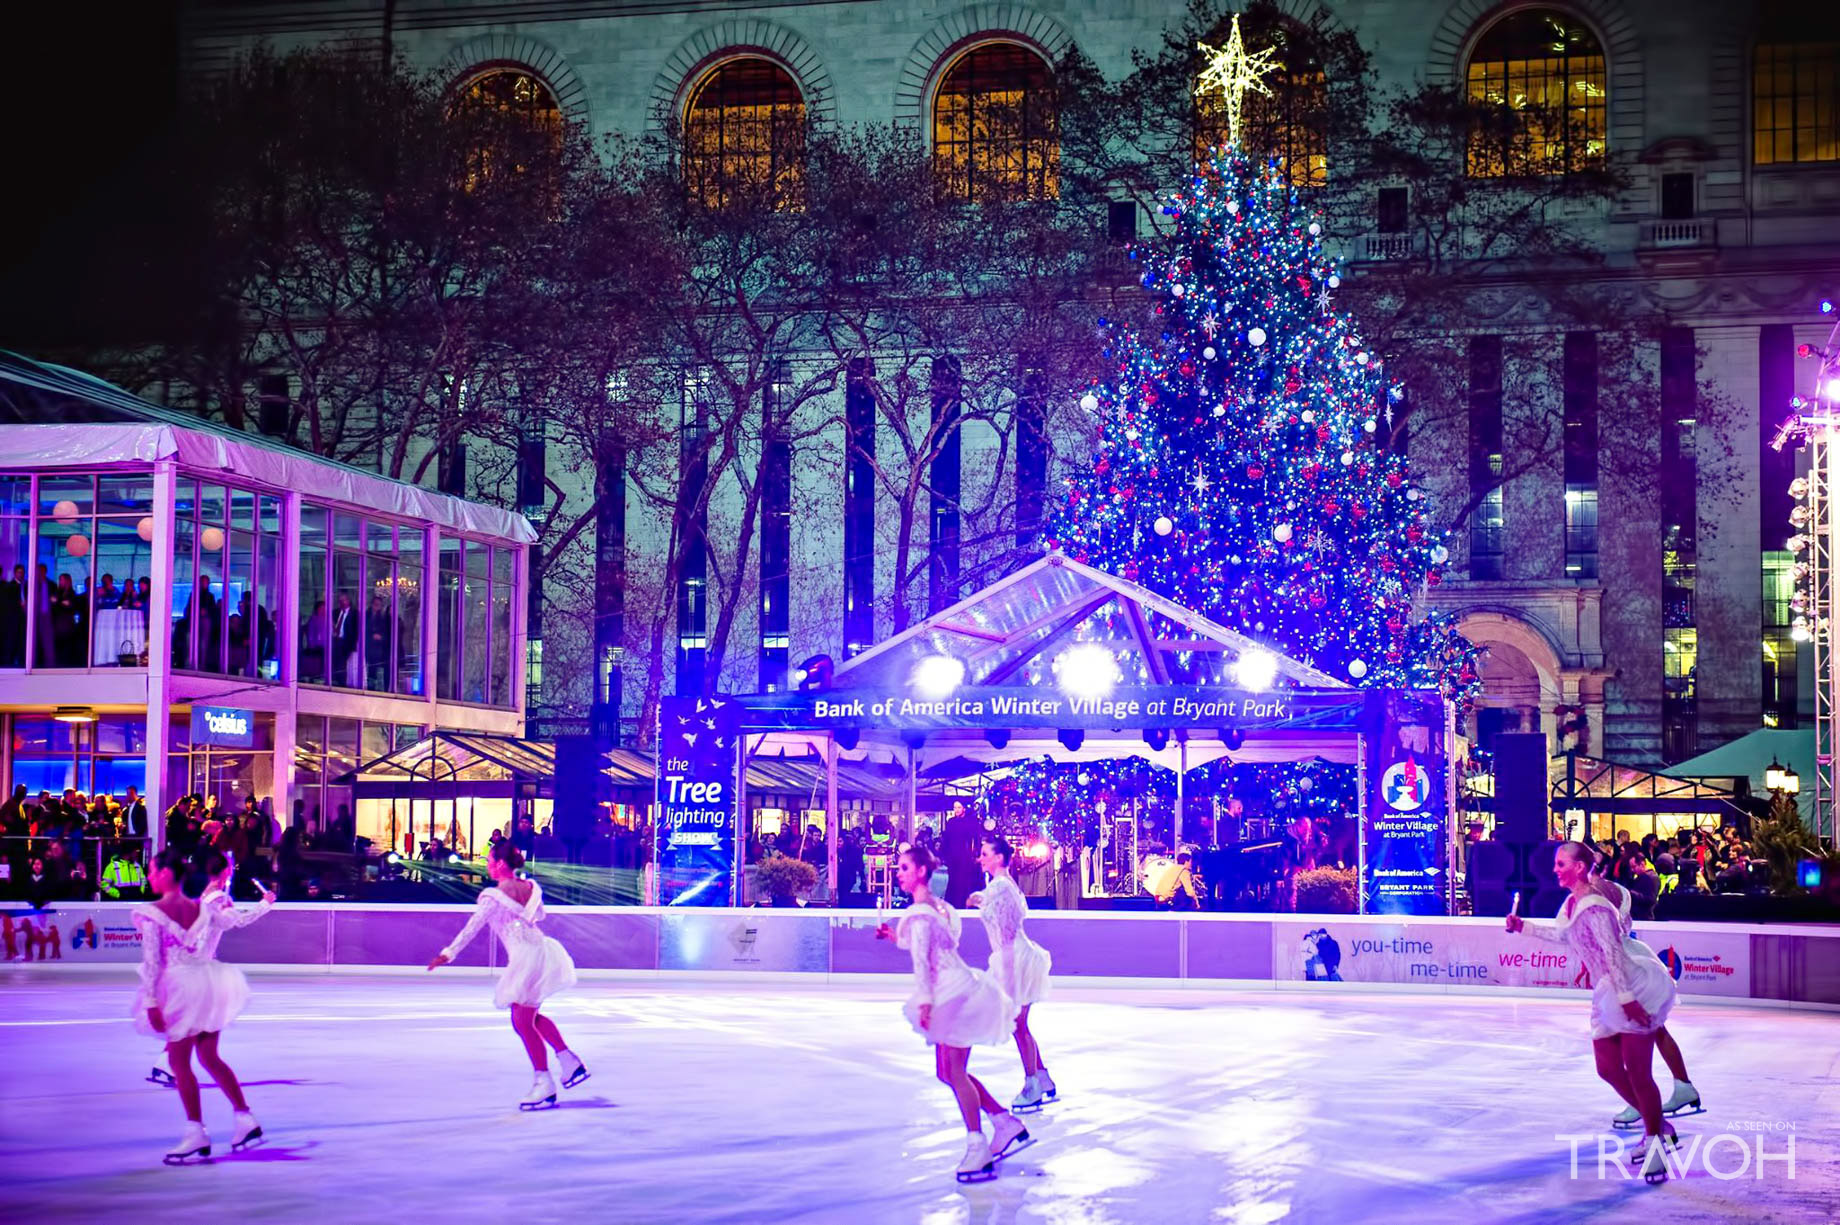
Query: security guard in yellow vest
x=123, y=875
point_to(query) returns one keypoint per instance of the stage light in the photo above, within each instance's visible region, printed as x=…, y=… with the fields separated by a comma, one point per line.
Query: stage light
x=936, y=676
x=1827, y=306
x=453, y=859
x=1086, y=671
x=1256, y=670
x=392, y=859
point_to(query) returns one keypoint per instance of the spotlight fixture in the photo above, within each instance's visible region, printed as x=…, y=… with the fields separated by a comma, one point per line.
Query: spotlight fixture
x=936, y=676
x=1088, y=670
x=1256, y=670
x=815, y=672
x=74, y=714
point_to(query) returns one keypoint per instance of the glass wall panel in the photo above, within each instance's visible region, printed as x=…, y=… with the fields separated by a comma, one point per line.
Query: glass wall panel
x=240, y=600
x=477, y=598
x=207, y=603
x=268, y=607
x=65, y=543
x=179, y=614
x=409, y=612
x=379, y=623
x=15, y=494
x=451, y=621
x=119, y=608
x=316, y=610
x=347, y=643
x=342, y=757
x=501, y=639
x=15, y=548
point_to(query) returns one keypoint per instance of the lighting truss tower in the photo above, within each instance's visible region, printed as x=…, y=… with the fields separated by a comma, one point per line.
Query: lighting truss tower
x=1816, y=422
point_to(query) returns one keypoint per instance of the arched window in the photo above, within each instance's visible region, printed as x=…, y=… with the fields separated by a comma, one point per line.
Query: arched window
x=744, y=135
x=1795, y=85
x=1537, y=80
x=1287, y=126
x=996, y=127
x=517, y=121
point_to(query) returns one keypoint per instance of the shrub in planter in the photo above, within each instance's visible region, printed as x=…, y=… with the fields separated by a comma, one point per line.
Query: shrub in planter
x=783, y=878
x=1326, y=891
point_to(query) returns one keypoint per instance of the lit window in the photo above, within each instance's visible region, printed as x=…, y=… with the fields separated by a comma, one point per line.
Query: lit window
x=1286, y=126
x=518, y=116
x=744, y=136
x=1795, y=102
x=996, y=132
x=1538, y=81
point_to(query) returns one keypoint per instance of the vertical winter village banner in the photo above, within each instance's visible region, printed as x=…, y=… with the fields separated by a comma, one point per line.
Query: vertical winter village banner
x=698, y=768
x=1406, y=842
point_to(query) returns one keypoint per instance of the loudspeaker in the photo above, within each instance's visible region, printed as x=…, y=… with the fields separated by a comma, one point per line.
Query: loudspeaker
x=578, y=787
x=1522, y=796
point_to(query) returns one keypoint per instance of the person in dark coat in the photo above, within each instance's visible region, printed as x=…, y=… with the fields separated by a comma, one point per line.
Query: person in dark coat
x=13, y=620
x=958, y=844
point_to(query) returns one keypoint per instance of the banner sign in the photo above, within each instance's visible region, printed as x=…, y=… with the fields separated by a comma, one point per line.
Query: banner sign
x=1407, y=811
x=1466, y=954
x=1046, y=707
x=223, y=727
x=698, y=779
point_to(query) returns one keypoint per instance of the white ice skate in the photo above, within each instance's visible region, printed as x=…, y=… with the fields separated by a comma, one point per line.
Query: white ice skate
x=1655, y=1164
x=1008, y=1137
x=247, y=1133
x=977, y=1165
x=1683, y=1101
x=195, y=1145
x=1638, y=1155
x=542, y=1095
x=1046, y=1083
x=1031, y=1099
x=574, y=1071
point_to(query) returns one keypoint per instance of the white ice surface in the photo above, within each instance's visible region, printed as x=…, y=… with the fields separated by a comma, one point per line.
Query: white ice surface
x=391, y=1098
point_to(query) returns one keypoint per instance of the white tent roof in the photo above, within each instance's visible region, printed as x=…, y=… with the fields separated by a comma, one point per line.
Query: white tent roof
x=1011, y=631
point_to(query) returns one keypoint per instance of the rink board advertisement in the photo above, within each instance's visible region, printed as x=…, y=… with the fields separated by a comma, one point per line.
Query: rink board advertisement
x=1404, y=825
x=1485, y=955
x=72, y=932
x=698, y=777
x=747, y=943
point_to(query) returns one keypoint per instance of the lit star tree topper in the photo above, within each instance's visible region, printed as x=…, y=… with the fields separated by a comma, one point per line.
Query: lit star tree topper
x=1235, y=74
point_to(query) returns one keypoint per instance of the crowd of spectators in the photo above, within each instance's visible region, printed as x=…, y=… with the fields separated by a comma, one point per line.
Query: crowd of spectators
x=72, y=846
x=1689, y=862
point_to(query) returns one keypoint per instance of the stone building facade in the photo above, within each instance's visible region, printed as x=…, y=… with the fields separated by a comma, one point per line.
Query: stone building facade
x=1658, y=606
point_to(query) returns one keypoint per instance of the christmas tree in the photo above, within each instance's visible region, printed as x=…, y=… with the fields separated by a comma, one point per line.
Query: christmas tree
x=1242, y=467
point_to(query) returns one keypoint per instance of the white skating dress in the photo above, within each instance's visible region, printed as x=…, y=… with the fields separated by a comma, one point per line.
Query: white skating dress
x=969, y=1008
x=180, y=973
x=1019, y=965
x=536, y=967
x=1622, y=968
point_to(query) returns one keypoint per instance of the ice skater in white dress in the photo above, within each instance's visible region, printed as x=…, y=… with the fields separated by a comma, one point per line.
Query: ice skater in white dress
x=1685, y=1099
x=1019, y=965
x=1631, y=996
x=188, y=997
x=954, y=1007
x=536, y=967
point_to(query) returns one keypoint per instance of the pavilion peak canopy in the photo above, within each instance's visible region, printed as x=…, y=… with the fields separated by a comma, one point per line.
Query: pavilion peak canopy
x=52, y=416
x=1011, y=632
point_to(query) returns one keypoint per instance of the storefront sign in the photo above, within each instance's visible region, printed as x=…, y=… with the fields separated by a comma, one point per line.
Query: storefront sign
x=223, y=727
x=1168, y=706
x=1403, y=827
x=698, y=776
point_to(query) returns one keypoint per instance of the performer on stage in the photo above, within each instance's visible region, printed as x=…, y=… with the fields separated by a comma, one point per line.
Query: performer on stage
x=187, y=996
x=954, y=1007
x=536, y=967
x=1631, y=997
x=1019, y=965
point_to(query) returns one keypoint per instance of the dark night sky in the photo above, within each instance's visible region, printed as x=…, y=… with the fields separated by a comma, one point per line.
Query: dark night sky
x=90, y=105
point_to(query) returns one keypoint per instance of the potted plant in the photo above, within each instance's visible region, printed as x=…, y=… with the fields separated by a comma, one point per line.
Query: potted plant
x=782, y=878
x=1325, y=891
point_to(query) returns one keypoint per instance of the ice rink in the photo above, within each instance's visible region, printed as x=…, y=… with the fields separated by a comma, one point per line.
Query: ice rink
x=391, y=1098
